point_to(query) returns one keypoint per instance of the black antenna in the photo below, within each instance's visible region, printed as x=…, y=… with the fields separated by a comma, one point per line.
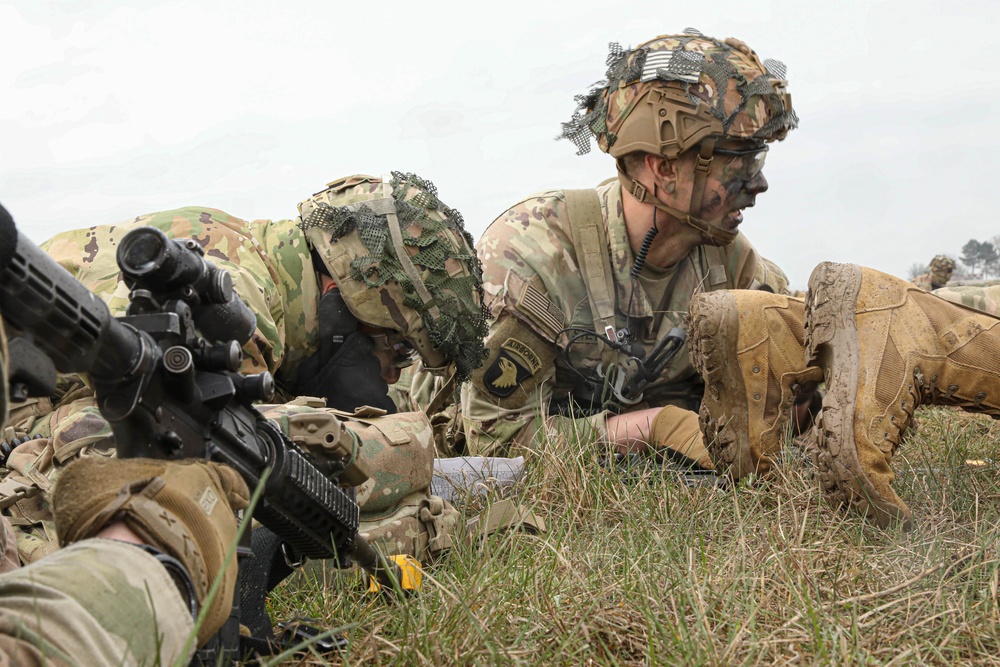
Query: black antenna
x=647, y=241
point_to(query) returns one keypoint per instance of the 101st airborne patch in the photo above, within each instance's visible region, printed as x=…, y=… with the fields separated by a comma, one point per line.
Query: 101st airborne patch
x=515, y=364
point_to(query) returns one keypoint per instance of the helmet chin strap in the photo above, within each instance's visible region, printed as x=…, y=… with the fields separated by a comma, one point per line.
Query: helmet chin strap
x=712, y=234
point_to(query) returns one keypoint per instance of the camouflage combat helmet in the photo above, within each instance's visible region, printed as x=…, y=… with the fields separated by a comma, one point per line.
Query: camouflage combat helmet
x=942, y=265
x=680, y=92
x=404, y=262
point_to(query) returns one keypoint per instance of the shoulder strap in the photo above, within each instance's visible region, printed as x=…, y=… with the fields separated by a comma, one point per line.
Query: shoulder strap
x=716, y=275
x=441, y=396
x=591, y=242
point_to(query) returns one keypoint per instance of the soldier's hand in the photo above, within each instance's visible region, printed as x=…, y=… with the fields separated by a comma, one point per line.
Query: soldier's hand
x=183, y=508
x=808, y=402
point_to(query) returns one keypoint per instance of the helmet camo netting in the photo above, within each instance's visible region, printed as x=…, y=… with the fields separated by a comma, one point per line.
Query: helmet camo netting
x=682, y=68
x=458, y=329
x=942, y=263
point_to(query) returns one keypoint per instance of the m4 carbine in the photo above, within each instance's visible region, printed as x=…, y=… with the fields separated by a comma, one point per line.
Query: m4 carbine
x=166, y=378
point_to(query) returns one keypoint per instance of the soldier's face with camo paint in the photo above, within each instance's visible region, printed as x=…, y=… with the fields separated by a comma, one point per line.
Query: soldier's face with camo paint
x=734, y=180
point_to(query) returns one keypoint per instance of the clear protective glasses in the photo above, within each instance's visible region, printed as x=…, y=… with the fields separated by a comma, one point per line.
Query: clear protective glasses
x=746, y=162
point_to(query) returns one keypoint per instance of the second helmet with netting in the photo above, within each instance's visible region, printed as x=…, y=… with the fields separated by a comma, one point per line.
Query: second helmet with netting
x=667, y=95
x=942, y=263
x=403, y=261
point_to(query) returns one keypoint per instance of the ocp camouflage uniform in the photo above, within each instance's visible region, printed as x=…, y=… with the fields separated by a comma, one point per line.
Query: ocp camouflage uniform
x=96, y=602
x=538, y=297
x=983, y=299
x=272, y=270
x=419, y=391
x=399, y=452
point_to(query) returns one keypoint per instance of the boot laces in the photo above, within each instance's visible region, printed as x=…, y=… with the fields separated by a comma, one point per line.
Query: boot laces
x=932, y=394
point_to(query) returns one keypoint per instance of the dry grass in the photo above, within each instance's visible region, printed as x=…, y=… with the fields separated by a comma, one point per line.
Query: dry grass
x=639, y=568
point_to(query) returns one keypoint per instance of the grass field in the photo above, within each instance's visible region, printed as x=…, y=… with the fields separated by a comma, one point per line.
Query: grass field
x=639, y=568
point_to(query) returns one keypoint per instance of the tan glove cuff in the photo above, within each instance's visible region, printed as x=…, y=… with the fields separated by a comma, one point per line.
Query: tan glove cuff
x=676, y=432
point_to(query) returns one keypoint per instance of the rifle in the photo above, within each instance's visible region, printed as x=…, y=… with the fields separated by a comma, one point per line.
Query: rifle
x=166, y=378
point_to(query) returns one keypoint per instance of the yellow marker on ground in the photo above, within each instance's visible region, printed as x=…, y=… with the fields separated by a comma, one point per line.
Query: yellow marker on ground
x=411, y=575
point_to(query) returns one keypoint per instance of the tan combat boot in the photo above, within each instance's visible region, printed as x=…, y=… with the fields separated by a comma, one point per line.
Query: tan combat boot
x=748, y=347
x=885, y=347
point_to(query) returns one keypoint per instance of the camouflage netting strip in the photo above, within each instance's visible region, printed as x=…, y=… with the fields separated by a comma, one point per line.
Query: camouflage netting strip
x=721, y=70
x=454, y=333
x=588, y=120
x=776, y=68
x=762, y=86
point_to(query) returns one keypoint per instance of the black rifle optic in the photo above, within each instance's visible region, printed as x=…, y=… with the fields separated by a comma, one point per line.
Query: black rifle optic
x=165, y=377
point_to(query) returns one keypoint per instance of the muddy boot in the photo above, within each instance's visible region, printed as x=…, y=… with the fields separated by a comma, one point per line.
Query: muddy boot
x=748, y=347
x=885, y=347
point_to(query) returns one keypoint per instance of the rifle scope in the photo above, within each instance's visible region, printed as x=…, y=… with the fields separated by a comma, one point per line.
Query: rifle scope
x=177, y=269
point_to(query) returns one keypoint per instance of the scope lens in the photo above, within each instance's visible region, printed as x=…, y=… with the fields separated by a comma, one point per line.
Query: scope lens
x=141, y=250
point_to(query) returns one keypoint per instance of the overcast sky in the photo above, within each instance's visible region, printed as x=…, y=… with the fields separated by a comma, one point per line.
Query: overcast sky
x=115, y=108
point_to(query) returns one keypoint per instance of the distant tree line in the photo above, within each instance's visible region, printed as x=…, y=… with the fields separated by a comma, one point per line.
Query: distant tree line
x=981, y=258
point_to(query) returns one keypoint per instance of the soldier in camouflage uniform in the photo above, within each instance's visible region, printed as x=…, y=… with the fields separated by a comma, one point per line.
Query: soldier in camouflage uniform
x=580, y=280
x=938, y=273
x=403, y=266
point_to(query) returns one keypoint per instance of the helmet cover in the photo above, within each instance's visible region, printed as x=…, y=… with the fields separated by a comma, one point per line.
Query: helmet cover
x=941, y=268
x=403, y=261
x=942, y=263
x=665, y=96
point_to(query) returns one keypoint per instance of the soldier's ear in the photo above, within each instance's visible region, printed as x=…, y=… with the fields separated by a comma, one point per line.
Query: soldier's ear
x=664, y=171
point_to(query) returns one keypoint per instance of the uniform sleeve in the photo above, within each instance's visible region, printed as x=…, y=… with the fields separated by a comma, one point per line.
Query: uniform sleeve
x=506, y=403
x=494, y=430
x=506, y=394
x=524, y=253
x=100, y=601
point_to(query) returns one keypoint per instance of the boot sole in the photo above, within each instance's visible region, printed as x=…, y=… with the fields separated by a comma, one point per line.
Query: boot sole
x=711, y=321
x=832, y=344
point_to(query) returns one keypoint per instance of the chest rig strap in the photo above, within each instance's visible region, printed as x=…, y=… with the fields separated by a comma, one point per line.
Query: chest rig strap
x=590, y=239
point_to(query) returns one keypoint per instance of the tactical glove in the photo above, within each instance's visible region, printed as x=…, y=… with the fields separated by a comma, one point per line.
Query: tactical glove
x=675, y=433
x=351, y=378
x=183, y=508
